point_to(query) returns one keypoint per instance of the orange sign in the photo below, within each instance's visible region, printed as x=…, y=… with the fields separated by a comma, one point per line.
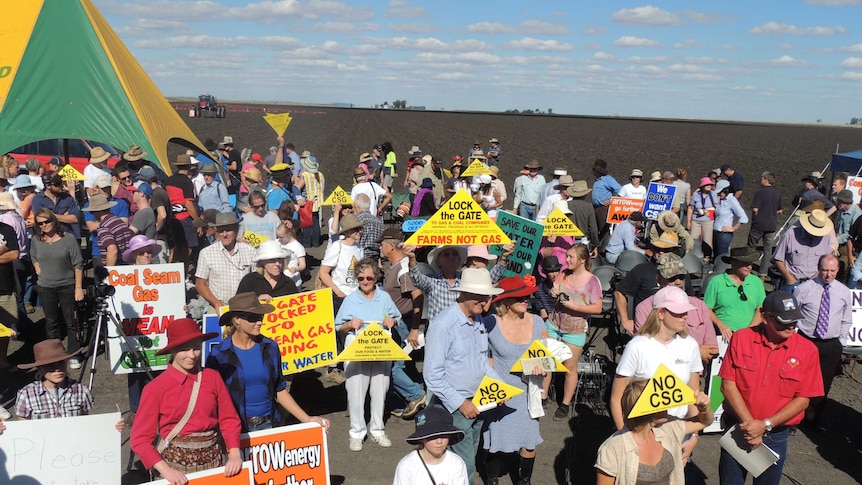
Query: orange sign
x=289, y=454
x=622, y=207
x=215, y=476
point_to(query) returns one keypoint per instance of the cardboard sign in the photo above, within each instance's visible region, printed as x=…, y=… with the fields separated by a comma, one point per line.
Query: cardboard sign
x=302, y=326
x=665, y=390
x=215, y=476
x=559, y=224
x=622, y=207
x=527, y=237
x=475, y=168
x=461, y=221
x=84, y=449
x=854, y=339
x=854, y=184
x=296, y=454
x=254, y=238
x=148, y=298
x=412, y=225
x=536, y=350
x=659, y=198
x=338, y=196
x=68, y=172
x=493, y=391
x=278, y=122
x=373, y=344
x=713, y=389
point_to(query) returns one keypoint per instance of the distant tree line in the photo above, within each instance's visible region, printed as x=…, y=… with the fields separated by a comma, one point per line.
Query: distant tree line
x=856, y=121
x=536, y=111
x=397, y=104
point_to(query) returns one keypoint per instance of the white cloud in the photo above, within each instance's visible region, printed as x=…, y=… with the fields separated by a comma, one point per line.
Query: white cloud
x=786, y=61
x=532, y=26
x=702, y=77
x=334, y=47
x=426, y=44
x=353, y=67
x=852, y=75
x=479, y=57
x=706, y=18
x=413, y=28
x=345, y=27
x=531, y=44
x=210, y=42
x=705, y=60
x=149, y=27
x=263, y=12
x=491, y=28
x=687, y=43
x=747, y=87
x=632, y=41
x=597, y=30
x=646, y=60
x=604, y=56
x=404, y=10
x=597, y=68
x=454, y=76
x=851, y=48
x=852, y=63
x=834, y=3
x=690, y=68
x=646, y=15
x=780, y=28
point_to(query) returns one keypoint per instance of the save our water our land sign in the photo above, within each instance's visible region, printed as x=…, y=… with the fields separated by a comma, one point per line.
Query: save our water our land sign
x=659, y=198
x=527, y=237
x=460, y=221
x=148, y=298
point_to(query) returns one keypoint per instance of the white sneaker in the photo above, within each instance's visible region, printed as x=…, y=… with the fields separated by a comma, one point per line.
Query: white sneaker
x=355, y=444
x=5, y=415
x=382, y=440
x=75, y=364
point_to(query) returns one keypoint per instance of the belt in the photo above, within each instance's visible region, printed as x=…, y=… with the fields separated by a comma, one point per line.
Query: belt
x=257, y=420
x=525, y=203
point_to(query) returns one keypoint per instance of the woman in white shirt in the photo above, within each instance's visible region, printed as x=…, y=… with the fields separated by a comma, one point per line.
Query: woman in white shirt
x=634, y=189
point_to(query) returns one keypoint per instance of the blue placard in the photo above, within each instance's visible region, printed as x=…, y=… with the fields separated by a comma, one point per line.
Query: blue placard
x=412, y=225
x=210, y=325
x=659, y=198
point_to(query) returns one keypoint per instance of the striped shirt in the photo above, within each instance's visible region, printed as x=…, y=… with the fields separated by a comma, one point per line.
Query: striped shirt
x=34, y=401
x=314, y=188
x=113, y=231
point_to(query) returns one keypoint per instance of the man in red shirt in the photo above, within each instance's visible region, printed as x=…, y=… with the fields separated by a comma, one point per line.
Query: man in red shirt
x=768, y=376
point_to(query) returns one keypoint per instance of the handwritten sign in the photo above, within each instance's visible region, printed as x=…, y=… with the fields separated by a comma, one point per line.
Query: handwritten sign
x=254, y=238
x=475, y=168
x=665, y=390
x=372, y=344
x=295, y=455
x=493, y=391
x=412, y=225
x=559, y=224
x=148, y=299
x=659, y=198
x=527, y=237
x=69, y=172
x=302, y=326
x=459, y=221
x=716, y=397
x=622, y=207
x=84, y=449
x=215, y=476
x=338, y=196
x=278, y=122
x=538, y=350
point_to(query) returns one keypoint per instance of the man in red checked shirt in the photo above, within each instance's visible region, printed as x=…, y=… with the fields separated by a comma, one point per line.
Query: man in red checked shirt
x=768, y=375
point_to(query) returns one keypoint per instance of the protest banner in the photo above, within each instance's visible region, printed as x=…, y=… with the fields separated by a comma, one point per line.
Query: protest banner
x=459, y=221
x=559, y=224
x=492, y=391
x=215, y=476
x=622, y=207
x=665, y=390
x=659, y=198
x=412, y=225
x=278, y=122
x=713, y=389
x=855, y=337
x=372, y=344
x=254, y=238
x=302, y=326
x=69, y=172
x=527, y=237
x=293, y=455
x=538, y=350
x=79, y=450
x=148, y=298
x=854, y=184
x=338, y=196
x=475, y=168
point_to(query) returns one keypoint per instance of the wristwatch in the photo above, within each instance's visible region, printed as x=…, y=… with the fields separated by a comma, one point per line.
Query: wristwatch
x=768, y=424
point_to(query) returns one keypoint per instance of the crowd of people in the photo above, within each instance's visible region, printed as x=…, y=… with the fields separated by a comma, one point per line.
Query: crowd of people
x=241, y=226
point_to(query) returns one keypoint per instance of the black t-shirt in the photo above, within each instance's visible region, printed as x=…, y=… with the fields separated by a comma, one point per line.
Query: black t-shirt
x=640, y=283
x=234, y=157
x=180, y=189
x=767, y=201
x=160, y=199
x=7, y=270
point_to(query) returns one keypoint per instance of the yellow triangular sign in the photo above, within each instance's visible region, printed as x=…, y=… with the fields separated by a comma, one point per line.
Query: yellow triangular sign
x=6, y=331
x=491, y=390
x=338, y=196
x=665, y=390
x=69, y=172
x=254, y=238
x=537, y=350
x=278, y=122
x=372, y=344
x=461, y=221
x=558, y=224
x=475, y=168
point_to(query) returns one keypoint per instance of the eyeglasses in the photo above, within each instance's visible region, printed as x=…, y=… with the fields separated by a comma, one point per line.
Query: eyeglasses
x=522, y=298
x=42, y=223
x=259, y=206
x=742, y=295
x=365, y=278
x=148, y=251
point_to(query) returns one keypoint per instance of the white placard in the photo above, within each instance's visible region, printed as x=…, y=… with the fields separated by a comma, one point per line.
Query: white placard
x=713, y=387
x=147, y=299
x=855, y=337
x=63, y=451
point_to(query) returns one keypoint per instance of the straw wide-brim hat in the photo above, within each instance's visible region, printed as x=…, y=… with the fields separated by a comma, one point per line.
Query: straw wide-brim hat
x=140, y=242
x=350, y=222
x=98, y=155
x=434, y=422
x=533, y=164
x=310, y=164
x=47, y=352
x=135, y=153
x=816, y=223
x=99, y=202
x=565, y=182
x=269, y=250
x=244, y=303
x=209, y=169
x=461, y=250
x=514, y=287
x=668, y=221
x=184, y=331
x=224, y=219
x=579, y=189
x=744, y=254
x=478, y=282
x=478, y=155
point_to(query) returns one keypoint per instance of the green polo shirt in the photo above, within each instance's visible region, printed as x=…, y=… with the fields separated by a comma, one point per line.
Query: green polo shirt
x=723, y=297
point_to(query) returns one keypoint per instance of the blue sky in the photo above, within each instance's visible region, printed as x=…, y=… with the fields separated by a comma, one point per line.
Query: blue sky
x=788, y=60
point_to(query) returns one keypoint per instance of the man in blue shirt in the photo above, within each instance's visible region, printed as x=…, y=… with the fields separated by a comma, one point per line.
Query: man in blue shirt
x=624, y=237
x=604, y=188
x=456, y=359
x=57, y=200
x=735, y=179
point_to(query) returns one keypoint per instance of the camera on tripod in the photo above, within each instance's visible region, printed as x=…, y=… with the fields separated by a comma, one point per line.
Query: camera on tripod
x=100, y=290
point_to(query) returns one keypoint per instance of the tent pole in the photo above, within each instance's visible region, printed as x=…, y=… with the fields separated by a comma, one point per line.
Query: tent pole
x=790, y=217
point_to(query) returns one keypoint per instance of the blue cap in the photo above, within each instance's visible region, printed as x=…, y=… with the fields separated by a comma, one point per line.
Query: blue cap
x=145, y=189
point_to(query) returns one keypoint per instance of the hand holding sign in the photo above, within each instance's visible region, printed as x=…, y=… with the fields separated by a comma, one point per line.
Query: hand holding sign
x=492, y=392
x=665, y=390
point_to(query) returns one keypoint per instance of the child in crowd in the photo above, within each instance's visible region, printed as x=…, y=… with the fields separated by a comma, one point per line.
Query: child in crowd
x=431, y=460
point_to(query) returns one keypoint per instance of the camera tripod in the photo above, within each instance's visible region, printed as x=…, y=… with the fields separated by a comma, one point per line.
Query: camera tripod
x=103, y=314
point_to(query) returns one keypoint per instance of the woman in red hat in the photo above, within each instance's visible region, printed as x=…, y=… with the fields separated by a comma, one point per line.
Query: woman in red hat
x=511, y=427
x=189, y=409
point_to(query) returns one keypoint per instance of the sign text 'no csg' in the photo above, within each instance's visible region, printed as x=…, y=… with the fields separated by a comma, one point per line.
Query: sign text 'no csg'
x=537, y=350
x=492, y=391
x=460, y=221
x=338, y=196
x=665, y=390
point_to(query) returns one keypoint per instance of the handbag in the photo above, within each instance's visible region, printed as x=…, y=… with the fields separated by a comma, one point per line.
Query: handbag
x=306, y=214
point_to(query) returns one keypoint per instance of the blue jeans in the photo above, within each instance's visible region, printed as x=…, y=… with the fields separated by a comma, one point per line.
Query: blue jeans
x=732, y=473
x=527, y=211
x=402, y=384
x=467, y=447
x=722, y=242
x=264, y=425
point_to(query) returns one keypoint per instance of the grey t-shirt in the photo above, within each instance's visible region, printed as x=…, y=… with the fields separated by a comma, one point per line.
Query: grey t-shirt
x=58, y=261
x=145, y=222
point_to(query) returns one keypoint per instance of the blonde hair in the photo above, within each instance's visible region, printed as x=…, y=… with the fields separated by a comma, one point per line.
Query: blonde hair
x=632, y=392
x=583, y=253
x=653, y=324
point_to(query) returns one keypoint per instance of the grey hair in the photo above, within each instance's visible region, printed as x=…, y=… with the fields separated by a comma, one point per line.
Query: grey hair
x=361, y=202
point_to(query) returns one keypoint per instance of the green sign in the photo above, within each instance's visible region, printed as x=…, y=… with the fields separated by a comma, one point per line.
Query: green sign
x=526, y=235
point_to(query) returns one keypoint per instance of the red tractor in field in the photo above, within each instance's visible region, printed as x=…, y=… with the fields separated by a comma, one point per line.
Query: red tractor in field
x=208, y=106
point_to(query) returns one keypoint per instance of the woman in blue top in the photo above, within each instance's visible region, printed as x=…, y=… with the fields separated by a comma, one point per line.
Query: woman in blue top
x=250, y=365
x=360, y=308
x=727, y=209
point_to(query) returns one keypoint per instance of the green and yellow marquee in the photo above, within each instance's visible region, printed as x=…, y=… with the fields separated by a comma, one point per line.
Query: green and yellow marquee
x=64, y=73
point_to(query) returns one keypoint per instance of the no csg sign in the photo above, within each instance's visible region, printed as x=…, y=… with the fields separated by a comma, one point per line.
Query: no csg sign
x=665, y=390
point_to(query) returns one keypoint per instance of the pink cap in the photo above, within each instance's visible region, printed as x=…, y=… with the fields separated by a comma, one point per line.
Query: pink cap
x=705, y=181
x=480, y=251
x=672, y=298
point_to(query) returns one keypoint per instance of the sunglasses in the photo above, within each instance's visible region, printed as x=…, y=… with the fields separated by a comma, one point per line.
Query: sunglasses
x=365, y=278
x=742, y=295
x=127, y=177
x=521, y=298
x=42, y=223
x=251, y=317
x=678, y=277
x=259, y=206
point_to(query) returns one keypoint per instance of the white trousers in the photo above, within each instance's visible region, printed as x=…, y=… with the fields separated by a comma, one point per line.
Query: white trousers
x=362, y=376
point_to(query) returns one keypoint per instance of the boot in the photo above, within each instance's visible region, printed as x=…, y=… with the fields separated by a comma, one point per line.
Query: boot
x=493, y=466
x=525, y=470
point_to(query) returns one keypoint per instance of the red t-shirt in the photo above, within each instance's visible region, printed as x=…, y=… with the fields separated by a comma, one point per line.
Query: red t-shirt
x=180, y=189
x=769, y=378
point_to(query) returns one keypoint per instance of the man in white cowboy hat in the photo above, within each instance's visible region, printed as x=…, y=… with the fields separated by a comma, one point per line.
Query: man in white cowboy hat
x=801, y=247
x=213, y=194
x=548, y=204
x=493, y=152
x=528, y=189
x=456, y=359
x=222, y=264
x=113, y=234
x=634, y=189
x=548, y=188
x=98, y=166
